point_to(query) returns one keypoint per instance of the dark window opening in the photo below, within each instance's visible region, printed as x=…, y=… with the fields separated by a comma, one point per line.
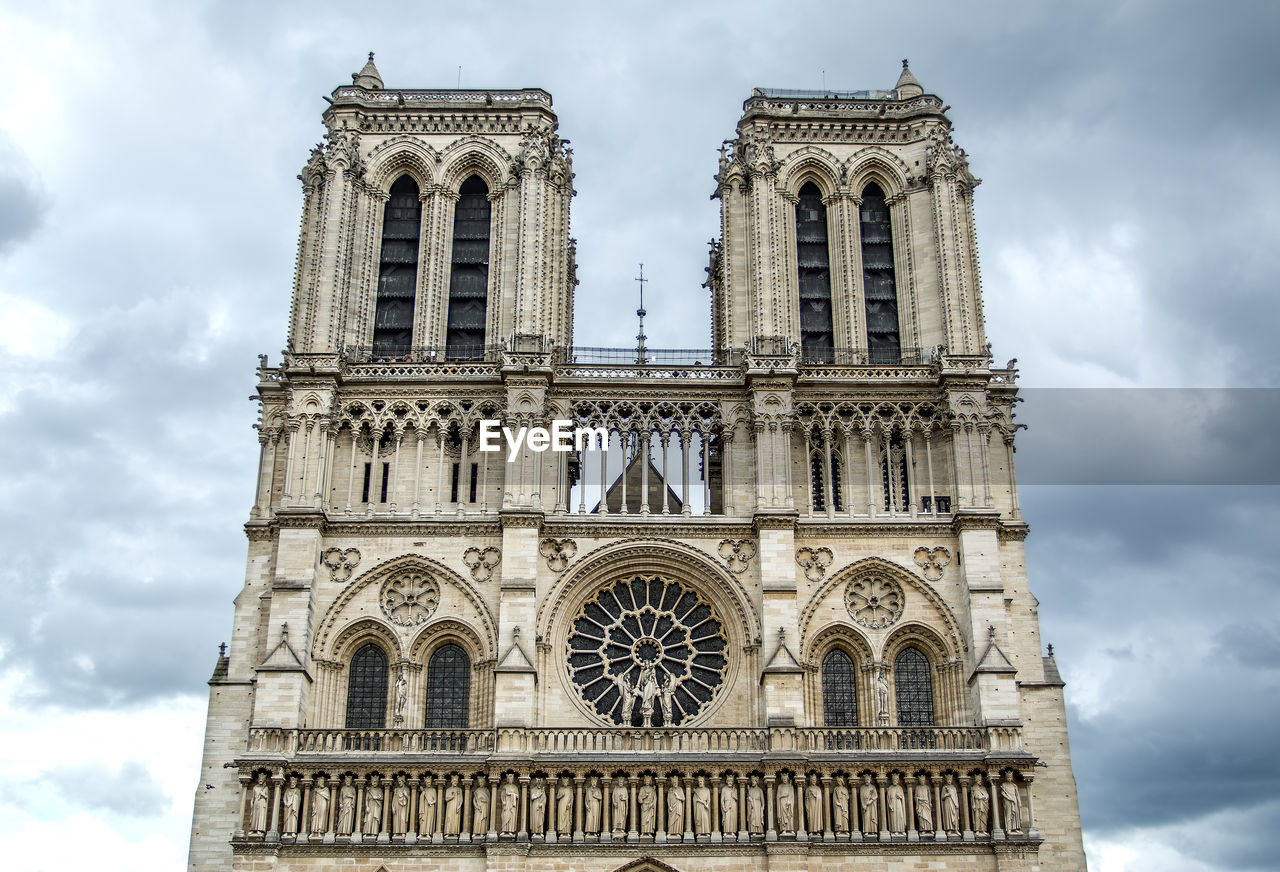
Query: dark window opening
x=818, y=481
x=944, y=504
x=475, y=467
x=386, y=476
x=367, y=689
x=397, y=270
x=914, y=687
x=813, y=260
x=839, y=690
x=879, y=286
x=453, y=484
x=368, y=474
x=894, y=480
x=448, y=689
x=469, y=272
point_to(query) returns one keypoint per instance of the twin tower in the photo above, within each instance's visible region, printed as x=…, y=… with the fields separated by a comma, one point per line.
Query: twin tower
x=774, y=614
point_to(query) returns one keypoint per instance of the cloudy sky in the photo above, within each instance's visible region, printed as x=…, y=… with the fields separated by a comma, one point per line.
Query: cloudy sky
x=1128, y=226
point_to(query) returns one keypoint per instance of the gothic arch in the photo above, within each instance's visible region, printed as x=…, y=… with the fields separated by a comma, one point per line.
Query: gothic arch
x=811, y=164
x=442, y=631
x=355, y=634
x=473, y=155
x=915, y=634
x=839, y=634
x=954, y=645
x=879, y=165
x=398, y=156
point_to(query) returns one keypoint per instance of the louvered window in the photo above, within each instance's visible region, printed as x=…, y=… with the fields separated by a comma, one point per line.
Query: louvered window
x=398, y=270
x=815, y=275
x=469, y=273
x=448, y=689
x=367, y=689
x=879, y=287
x=914, y=687
x=839, y=690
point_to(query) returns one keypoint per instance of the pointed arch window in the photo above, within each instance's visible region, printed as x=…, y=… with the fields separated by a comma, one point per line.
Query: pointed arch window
x=839, y=690
x=895, y=481
x=914, y=687
x=367, y=689
x=469, y=272
x=398, y=270
x=879, y=285
x=814, y=263
x=448, y=689
x=818, y=477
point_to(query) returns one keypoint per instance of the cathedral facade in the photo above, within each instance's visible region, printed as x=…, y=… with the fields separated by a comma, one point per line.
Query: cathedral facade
x=512, y=603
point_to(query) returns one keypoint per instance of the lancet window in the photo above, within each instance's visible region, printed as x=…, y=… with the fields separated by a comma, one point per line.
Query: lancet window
x=894, y=475
x=398, y=270
x=469, y=272
x=914, y=687
x=814, y=263
x=448, y=689
x=818, y=477
x=367, y=689
x=839, y=690
x=879, y=286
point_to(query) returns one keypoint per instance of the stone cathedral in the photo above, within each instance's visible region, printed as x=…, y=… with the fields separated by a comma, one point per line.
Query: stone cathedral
x=513, y=603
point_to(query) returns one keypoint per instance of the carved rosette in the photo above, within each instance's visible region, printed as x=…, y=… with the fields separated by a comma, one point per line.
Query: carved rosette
x=408, y=598
x=647, y=643
x=874, y=601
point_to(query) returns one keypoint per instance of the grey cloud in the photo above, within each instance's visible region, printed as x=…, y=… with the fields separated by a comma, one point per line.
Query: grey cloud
x=129, y=790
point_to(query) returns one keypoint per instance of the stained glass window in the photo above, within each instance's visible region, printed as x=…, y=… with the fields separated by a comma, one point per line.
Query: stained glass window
x=839, y=690
x=367, y=689
x=448, y=689
x=914, y=687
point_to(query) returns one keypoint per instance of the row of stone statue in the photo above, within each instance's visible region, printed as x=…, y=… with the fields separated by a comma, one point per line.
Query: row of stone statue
x=671, y=808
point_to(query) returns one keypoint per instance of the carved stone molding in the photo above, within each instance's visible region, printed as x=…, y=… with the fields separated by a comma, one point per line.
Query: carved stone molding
x=814, y=561
x=737, y=553
x=481, y=561
x=932, y=561
x=558, y=553
x=410, y=597
x=874, y=601
x=341, y=562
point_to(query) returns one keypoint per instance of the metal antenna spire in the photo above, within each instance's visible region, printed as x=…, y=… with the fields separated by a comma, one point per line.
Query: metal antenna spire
x=640, y=313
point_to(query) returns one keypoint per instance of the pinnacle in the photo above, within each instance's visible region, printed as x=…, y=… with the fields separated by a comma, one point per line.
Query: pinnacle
x=368, y=76
x=908, y=85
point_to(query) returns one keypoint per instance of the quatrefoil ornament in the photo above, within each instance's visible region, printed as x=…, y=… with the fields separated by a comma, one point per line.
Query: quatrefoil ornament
x=481, y=562
x=737, y=553
x=932, y=561
x=558, y=553
x=815, y=562
x=340, y=562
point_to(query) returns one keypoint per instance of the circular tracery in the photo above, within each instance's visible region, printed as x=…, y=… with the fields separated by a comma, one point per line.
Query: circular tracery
x=874, y=601
x=410, y=597
x=647, y=650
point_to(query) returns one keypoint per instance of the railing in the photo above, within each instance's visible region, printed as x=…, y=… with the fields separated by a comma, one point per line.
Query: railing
x=429, y=354
x=557, y=741
x=580, y=354
x=909, y=356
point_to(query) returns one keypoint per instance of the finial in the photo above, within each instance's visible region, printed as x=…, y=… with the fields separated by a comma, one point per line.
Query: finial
x=284, y=630
x=640, y=313
x=782, y=635
x=904, y=60
x=908, y=85
x=904, y=63
x=222, y=650
x=1050, y=649
x=991, y=632
x=515, y=633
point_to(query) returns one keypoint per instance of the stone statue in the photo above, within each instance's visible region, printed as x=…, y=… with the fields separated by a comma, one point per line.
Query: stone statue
x=402, y=696
x=373, y=807
x=882, y=697
x=755, y=806
x=924, y=806
x=346, y=807
x=647, y=799
x=701, y=808
x=895, y=802
x=508, y=801
x=868, y=796
x=258, y=804
x=289, y=802
x=950, y=806
x=564, y=806
x=981, y=801
x=840, y=805
x=729, y=806
x=593, y=800
x=786, y=805
x=481, y=801
x=813, y=806
x=1011, y=804
x=648, y=691
x=400, y=807
x=320, y=797
x=667, y=695
x=427, y=808
x=618, y=808
x=537, y=806
x=675, y=807
x=627, y=694
x=452, y=807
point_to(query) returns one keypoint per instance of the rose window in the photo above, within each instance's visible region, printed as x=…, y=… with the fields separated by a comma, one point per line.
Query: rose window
x=647, y=651
x=874, y=601
x=409, y=598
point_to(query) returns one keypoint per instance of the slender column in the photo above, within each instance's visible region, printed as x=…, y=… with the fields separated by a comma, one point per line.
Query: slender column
x=465, y=822
x=928, y=454
x=688, y=810
x=907, y=439
x=808, y=474
x=244, y=796
x=395, y=475
x=321, y=462
x=633, y=831
x=273, y=825
x=773, y=465
x=355, y=469
x=955, y=461
x=784, y=439
x=828, y=812
x=939, y=831
x=828, y=475
x=577, y=807
x=289, y=472
x=664, y=439
x=624, y=443
x=562, y=483
x=417, y=473
x=881, y=781
x=984, y=455
x=716, y=834
x=966, y=824
x=996, y=818
x=1015, y=509
x=770, y=831
x=304, y=818
x=335, y=784
x=440, y=471
x=660, y=831
x=494, y=782
x=799, y=811
x=891, y=480
x=264, y=487
x=644, y=473
x=686, y=444
x=301, y=493
x=706, y=471
x=758, y=431
x=357, y=817
x=331, y=455
x=464, y=473
x=604, y=481
x=375, y=475
x=411, y=836
x=1032, y=831
x=582, y=483
x=871, y=498
x=743, y=835
x=973, y=466
x=384, y=829
x=524, y=808
x=606, y=803
x=848, y=473
x=484, y=481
